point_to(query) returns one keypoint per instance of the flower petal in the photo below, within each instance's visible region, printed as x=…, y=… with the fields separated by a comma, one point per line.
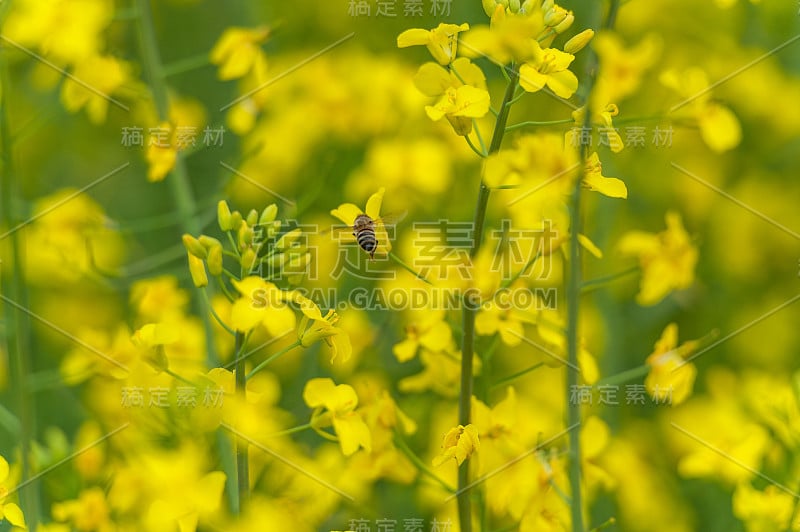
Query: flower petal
x=432, y=80
x=531, y=79
x=347, y=213
x=318, y=391
x=413, y=37
x=374, y=204
x=563, y=83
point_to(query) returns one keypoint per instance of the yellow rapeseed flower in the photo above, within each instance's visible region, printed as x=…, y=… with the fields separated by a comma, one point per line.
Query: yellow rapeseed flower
x=9, y=511
x=461, y=93
x=670, y=378
x=460, y=443
x=442, y=41
x=431, y=332
x=105, y=74
x=322, y=327
x=667, y=259
x=550, y=67
x=238, y=51
x=262, y=302
x=719, y=127
x=509, y=37
x=593, y=179
x=336, y=405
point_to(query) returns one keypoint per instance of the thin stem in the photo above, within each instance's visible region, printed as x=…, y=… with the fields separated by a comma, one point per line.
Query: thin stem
x=187, y=65
x=417, y=461
x=624, y=376
x=242, y=459
x=534, y=123
x=292, y=430
x=522, y=271
x=19, y=348
x=515, y=376
x=272, y=358
x=469, y=309
x=408, y=268
x=179, y=377
x=479, y=136
x=472, y=146
x=599, y=282
x=216, y=316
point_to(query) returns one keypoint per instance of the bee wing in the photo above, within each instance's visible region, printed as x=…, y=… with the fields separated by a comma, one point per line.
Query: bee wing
x=339, y=233
x=392, y=218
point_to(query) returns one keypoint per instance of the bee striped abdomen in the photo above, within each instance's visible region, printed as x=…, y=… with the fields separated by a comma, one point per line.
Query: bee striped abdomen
x=364, y=231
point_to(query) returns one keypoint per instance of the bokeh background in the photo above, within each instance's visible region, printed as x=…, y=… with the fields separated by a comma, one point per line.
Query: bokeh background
x=98, y=256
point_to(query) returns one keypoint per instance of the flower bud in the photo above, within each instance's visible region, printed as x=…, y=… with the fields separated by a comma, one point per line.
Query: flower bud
x=236, y=220
x=579, y=41
x=554, y=16
x=252, y=217
x=275, y=261
x=564, y=25
x=298, y=262
x=224, y=217
x=198, y=270
x=246, y=235
x=214, y=261
x=488, y=7
x=287, y=239
x=268, y=214
x=514, y=6
x=209, y=242
x=528, y=6
x=248, y=259
x=272, y=229
x=194, y=247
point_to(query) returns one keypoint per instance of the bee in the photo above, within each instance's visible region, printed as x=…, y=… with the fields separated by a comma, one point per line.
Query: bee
x=366, y=230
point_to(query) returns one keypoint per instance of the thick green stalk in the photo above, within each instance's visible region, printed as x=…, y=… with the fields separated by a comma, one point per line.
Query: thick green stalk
x=573, y=286
x=470, y=307
x=18, y=325
x=179, y=183
x=573, y=339
x=242, y=460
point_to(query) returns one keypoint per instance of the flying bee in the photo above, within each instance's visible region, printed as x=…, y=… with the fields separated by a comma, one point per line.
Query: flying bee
x=364, y=231
x=369, y=231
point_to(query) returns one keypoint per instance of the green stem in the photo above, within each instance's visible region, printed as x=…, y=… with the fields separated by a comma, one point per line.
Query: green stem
x=408, y=268
x=179, y=377
x=417, y=461
x=178, y=179
x=215, y=315
x=472, y=146
x=624, y=376
x=573, y=286
x=187, y=65
x=292, y=430
x=599, y=282
x=533, y=123
x=515, y=376
x=19, y=348
x=469, y=310
x=242, y=459
x=522, y=271
x=479, y=136
x=272, y=358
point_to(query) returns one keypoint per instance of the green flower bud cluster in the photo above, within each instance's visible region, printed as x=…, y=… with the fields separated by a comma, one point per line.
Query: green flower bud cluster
x=255, y=240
